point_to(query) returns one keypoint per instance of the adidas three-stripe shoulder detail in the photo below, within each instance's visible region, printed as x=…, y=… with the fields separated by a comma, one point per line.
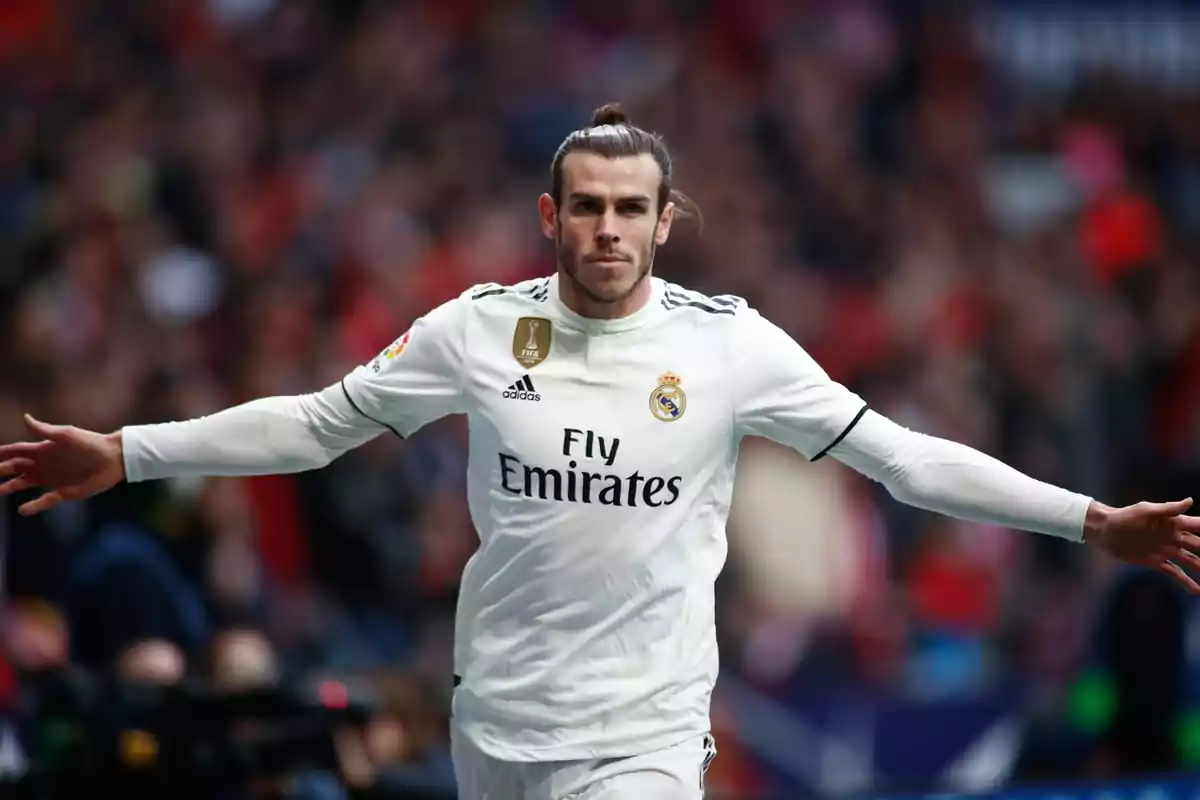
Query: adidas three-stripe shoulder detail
x=537, y=290
x=487, y=290
x=677, y=297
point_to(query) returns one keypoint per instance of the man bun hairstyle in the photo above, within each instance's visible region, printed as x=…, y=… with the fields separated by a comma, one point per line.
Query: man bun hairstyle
x=610, y=114
x=613, y=135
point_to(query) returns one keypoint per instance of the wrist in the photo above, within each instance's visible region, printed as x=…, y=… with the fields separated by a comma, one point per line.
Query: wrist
x=1095, y=522
x=116, y=445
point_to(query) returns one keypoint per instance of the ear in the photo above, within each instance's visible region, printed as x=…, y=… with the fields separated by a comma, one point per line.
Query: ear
x=549, y=215
x=664, y=224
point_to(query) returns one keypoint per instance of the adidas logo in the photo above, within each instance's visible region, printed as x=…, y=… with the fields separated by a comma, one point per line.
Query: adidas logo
x=522, y=390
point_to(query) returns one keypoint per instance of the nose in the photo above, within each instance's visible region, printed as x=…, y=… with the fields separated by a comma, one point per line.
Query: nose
x=606, y=233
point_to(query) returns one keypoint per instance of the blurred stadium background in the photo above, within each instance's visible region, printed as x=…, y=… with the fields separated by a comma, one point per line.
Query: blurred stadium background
x=984, y=217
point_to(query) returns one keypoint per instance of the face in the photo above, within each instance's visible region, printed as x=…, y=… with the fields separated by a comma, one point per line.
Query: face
x=608, y=224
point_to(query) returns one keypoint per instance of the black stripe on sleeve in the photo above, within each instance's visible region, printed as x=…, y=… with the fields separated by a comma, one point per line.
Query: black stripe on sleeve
x=353, y=404
x=842, y=435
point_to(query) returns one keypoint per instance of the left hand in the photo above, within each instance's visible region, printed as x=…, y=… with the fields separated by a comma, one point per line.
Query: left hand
x=1155, y=535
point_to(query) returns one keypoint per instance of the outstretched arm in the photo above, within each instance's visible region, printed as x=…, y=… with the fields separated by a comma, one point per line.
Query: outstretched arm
x=414, y=381
x=269, y=436
x=956, y=480
x=273, y=435
x=781, y=393
x=953, y=479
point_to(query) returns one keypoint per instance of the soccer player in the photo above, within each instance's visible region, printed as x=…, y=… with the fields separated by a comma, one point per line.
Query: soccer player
x=605, y=407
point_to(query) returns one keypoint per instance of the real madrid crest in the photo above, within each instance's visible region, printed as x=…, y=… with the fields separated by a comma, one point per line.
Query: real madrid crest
x=531, y=341
x=668, y=401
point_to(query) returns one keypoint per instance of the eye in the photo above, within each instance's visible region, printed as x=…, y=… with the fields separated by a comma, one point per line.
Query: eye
x=588, y=206
x=632, y=209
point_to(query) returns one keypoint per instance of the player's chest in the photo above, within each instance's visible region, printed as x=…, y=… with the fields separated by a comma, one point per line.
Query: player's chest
x=614, y=400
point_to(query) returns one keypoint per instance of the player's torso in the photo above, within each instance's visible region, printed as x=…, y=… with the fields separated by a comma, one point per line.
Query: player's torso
x=601, y=466
x=623, y=421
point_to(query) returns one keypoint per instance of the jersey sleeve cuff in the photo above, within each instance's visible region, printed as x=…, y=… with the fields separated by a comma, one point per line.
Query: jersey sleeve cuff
x=129, y=460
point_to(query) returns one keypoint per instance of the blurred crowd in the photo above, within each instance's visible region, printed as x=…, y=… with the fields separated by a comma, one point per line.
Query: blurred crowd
x=207, y=201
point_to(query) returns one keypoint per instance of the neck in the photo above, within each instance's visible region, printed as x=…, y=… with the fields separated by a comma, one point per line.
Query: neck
x=574, y=297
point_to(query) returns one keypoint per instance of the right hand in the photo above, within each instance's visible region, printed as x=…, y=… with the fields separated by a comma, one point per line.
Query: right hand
x=70, y=463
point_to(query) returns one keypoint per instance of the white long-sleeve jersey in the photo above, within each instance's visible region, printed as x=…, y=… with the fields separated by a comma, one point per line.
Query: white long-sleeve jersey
x=601, y=469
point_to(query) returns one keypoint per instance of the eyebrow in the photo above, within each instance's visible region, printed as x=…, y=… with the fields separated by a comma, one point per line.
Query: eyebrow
x=633, y=198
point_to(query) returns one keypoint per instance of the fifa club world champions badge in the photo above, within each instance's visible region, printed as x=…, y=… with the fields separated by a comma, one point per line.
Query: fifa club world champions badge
x=531, y=341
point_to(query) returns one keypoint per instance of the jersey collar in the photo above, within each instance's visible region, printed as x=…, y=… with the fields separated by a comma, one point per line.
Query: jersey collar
x=637, y=319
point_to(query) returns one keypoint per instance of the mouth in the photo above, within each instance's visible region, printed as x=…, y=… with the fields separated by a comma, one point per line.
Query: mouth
x=608, y=259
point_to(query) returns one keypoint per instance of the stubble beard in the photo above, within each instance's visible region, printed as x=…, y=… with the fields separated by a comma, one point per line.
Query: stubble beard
x=568, y=264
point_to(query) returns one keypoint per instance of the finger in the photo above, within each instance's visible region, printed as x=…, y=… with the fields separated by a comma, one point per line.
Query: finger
x=1180, y=577
x=14, y=466
x=1172, y=509
x=45, y=430
x=44, y=503
x=1188, y=558
x=22, y=450
x=1188, y=524
x=1189, y=540
x=21, y=484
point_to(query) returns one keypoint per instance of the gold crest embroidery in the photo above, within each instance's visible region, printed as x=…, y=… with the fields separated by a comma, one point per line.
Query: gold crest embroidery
x=531, y=341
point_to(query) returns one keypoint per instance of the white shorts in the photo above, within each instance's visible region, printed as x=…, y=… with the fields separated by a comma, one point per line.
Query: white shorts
x=675, y=773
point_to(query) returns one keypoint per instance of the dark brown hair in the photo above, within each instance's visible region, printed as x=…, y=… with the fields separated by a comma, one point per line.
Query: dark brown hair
x=612, y=135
